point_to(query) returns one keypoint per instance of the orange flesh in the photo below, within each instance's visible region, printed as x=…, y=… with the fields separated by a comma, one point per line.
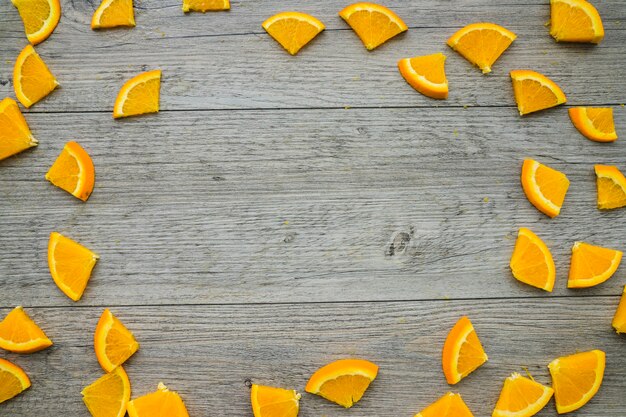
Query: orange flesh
x=113, y=342
x=32, y=79
x=73, y=171
x=592, y=265
x=482, y=47
x=426, y=74
x=611, y=185
x=293, y=32
x=159, y=403
x=15, y=135
x=532, y=262
x=109, y=395
x=575, y=24
x=373, y=24
x=274, y=402
x=449, y=405
x=576, y=379
x=13, y=380
x=118, y=13
x=19, y=333
x=544, y=187
x=462, y=352
x=70, y=265
x=619, y=321
x=205, y=5
x=522, y=396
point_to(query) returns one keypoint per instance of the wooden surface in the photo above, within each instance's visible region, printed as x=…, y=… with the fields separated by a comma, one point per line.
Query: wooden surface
x=281, y=212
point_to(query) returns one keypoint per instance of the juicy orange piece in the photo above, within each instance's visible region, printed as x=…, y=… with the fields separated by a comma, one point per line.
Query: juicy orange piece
x=576, y=379
x=109, y=395
x=374, y=24
x=449, y=405
x=70, y=265
x=534, y=91
x=15, y=135
x=426, y=74
x=594, y=123
x=611, y=187
x=162, y=402
x=113, y=13
x=482, y=43
x=274, y=402
x=40, y=18
x=139, y=95
x=532, y=261
x=592, y=265
x=205, y=5
x=343, y=382
x=73, y=171
x=462, y=352
x=113, y=342
x=521, y=397
x=13, y=380
x=293, y=30
x=619, y=321
x=19, y=333
x=575, y=21
x=544, y=187
x=32, y=80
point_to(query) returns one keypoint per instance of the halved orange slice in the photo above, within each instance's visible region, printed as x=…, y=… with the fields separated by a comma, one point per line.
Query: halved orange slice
x=374, y=24
x=293, y=30
x=205, y=5
x=15, y=135
x=532, y=261
x=575, y=21
x=576, y=379
x=32, y=80
x=462, y=352
x=592, y=265
x=70, y=265
x=534, y=91
x=426, y=74
x=544, y=187
x=113, y=342
x=594, y=123
x=19, y=333
x=274, y=402
x=343, y=382
x=482, y=43
x=619, y=321
x=611, y=185
x=521, y=397
x=40, y=18
x=449, y=405
x=162, y=402
x=73, y=171
x=139, y=95
x=113, y=13
x=109, y=395
x=13, y=380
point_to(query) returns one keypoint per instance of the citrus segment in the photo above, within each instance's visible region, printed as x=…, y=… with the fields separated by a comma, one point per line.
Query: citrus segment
x=73, y=171
x=611, y=185
x=374, y=24
x=13, y=380
x=32, y=80
x=426, y=74
x=521, y=397
x=19, y=333
x=544, y=187
x=113, y=13
x=532, y=262
x=15, y=135
x=139, y=95
x=293, y=30
x=449, y=405
x=482, y=43
x=534, y=91
x=162, y=402
x=619, y=321
x=594, y=123
x=205, y=5
x=592, y=265
x=70, y=265
x=113, y=342
x=40, y=18
x=274, y=402
x=109, y=395
x=462, y=352
x=575, y=21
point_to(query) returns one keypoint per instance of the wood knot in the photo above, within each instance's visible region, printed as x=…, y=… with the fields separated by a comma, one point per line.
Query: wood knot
x=399, y=243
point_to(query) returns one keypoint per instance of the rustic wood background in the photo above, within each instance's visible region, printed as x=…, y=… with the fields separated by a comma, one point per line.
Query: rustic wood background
x=282, y=212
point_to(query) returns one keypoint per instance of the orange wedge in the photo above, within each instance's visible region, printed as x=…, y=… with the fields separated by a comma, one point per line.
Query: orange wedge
x=532, y=261
x=73, y=171
x=482, y=43
x=619, y=321
x=13, y=380
x=139, y=95
x=462, y=352
x=40, y=18
x=449, y=405
x=32, y=80
x=576, y=379
x=109, y=395
x=113, y=342
x=274, y=402
x=19, y=333
x=521, y=397
x=70, y=265
x=112, y=14
x=426, y=74
x=15, y=135
x=594, y=123
x=205, y=5
x=592, y=265
x=343, y=382
x=293, y=30
x=611, y=187
x=575, y=21
x=534, y=91
x=374, y=24
x=544, y=187
x=162, y=402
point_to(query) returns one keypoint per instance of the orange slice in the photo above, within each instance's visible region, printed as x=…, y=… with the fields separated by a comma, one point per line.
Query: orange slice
x=40, y=18
x=482, y=43
x=521, y=397
x=594, y=123
x=592, y=265
x=534, y=91
x=73, y=171
x=374, y=24
x=544, y=187
x=32, y=80
x=113, y=342
x=462, y=352
x=532, y=261
x=449, y=405
x=274, y=402
x=205, y=5
x=19, y=333
x=139, y=95
x=109, y=395
x=619, y=321
x=162, y=402
x=575, y=21
x=13, y=380
x=426, y=74
x=113, y=13
x=70, y=265
x=611, y=187
x=343, y=382
x=293, y=30
x=15, y=135
x=576, y=379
